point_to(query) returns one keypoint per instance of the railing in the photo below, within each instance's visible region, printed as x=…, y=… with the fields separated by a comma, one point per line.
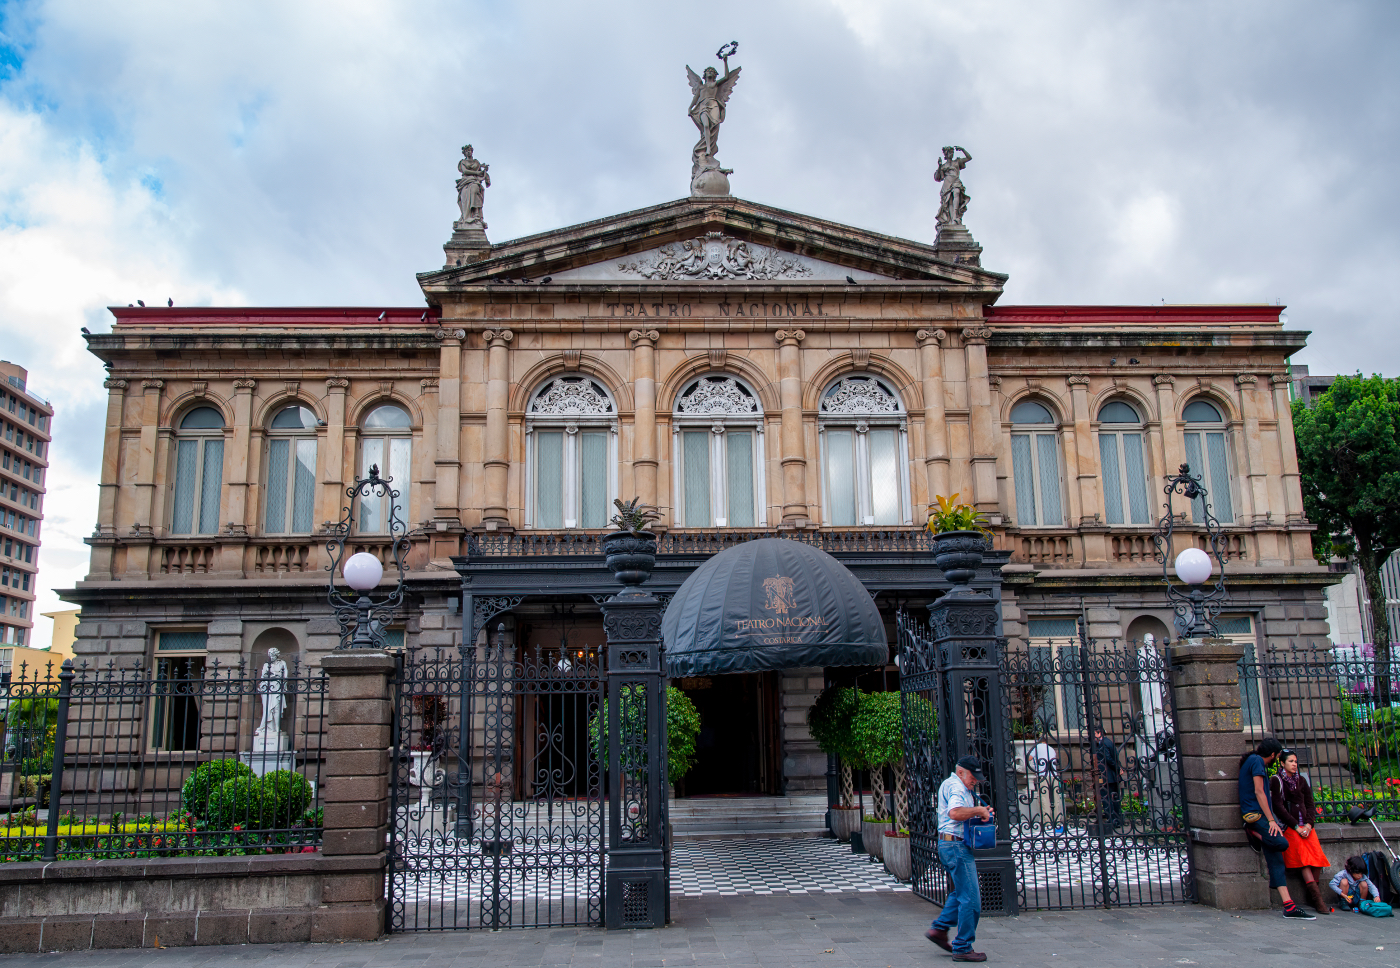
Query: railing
x=119, y=762
x=188, y=559
x=1331, y=708
x=271, y=559
x=699, y=542
x=1051, y=548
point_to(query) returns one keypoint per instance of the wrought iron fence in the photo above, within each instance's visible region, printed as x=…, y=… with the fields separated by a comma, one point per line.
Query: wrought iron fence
x=185, y=760
x=1331, y=707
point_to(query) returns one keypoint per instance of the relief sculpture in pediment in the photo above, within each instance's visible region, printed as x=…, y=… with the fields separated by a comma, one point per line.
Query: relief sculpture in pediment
x=717, y=257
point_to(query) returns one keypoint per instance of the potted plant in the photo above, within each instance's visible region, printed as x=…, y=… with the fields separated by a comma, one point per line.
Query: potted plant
x=829, y=720
x=959, y=538
x=879, y=733
x=631, y=549
x=897, y=859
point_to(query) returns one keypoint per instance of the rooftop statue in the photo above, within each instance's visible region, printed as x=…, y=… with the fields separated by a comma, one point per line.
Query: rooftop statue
x=952, y=197
x=471, y=189
x=709, y=95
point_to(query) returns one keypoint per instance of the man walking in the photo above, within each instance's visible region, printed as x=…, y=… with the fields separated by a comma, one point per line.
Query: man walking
x=963, y=907
x=1110, y=781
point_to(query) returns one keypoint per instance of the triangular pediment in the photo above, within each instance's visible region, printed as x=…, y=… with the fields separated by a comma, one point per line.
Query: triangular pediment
x=711, y=241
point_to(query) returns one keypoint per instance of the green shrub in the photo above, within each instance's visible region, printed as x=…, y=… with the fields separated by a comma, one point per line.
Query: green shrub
x=831, y=719
x=285, y=797
x=198, y=789
x=682, y=731
x=237, y=802
x=879, y=729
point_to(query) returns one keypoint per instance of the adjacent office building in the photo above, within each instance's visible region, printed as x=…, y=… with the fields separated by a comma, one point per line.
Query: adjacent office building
x=25, y=429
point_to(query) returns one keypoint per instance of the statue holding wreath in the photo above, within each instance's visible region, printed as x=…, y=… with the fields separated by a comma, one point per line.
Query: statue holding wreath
x=709, y=94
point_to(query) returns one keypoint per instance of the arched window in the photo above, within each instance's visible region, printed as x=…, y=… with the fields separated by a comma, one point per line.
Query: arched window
x=717, y=431
x=291, y=472
x=1035, y=466
x=199, y=472
x=1208, y=455
x=571, y=453
x=1123, y=460
x=386, y=442
x=865, y=454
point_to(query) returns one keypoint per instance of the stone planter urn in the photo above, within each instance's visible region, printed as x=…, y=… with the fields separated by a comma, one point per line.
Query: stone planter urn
x=897, y=859
x=630, y=555
x=843, y=821
x=873, y=835
x=958, y=553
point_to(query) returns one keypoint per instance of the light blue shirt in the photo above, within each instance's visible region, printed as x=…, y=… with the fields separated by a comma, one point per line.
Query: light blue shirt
x=953, y=793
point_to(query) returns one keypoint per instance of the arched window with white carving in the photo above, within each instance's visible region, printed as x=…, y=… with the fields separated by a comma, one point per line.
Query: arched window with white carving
x=864, y=438
x=717, y=453
x=571, y=454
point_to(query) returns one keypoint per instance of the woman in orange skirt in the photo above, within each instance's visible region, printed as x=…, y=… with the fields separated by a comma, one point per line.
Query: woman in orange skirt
x=1292, y=800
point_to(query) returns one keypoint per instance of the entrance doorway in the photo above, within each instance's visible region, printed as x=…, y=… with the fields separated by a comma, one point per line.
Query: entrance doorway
x=738, y=752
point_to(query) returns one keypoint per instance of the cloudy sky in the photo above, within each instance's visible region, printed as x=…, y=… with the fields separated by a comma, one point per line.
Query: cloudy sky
x=303, y=153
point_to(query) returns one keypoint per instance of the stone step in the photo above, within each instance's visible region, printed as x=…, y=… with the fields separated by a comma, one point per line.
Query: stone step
x=748, y=817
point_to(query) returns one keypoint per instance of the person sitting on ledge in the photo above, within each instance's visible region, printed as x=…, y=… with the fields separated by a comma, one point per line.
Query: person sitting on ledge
x=1292, y=800
x=1260, y=826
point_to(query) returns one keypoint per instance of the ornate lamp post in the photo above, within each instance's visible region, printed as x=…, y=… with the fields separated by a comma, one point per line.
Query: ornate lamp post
x=362, y=619
x=1198, y=609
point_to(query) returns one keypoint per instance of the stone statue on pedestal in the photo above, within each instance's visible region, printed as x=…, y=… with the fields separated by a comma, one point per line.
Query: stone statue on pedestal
x=709, y=94
x=952, y=196
x=272, y=689
x=471, y=189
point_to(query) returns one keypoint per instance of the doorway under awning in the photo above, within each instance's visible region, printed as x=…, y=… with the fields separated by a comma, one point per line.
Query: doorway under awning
x=770, y=604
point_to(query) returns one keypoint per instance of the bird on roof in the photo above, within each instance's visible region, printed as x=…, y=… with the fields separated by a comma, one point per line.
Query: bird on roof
x=141, y=303
x=850, y=280
x=169, y=301
x=86, y=331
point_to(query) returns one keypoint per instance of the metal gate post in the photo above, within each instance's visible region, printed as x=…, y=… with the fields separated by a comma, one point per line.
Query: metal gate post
x=635, y=889
x=968, y=649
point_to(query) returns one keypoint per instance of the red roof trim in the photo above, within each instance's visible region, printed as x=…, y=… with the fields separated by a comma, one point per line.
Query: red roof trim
x=271, y=316
x=1145, y=315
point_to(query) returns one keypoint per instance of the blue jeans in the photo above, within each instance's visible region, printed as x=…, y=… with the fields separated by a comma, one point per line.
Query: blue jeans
x=1273, y=851
x=964, y=904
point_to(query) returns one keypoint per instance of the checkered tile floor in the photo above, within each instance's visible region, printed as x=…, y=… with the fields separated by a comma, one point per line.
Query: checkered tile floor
x=733, y=867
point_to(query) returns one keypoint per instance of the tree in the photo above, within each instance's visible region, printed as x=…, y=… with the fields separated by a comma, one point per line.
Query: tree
x=830, y=720
x=1349, y=458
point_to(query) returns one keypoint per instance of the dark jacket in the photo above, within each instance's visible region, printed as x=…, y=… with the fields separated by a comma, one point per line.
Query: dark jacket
x=1292, y=809
x=1107, y=755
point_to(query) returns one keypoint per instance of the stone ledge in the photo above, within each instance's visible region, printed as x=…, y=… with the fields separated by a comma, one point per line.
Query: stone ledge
x=273, y=865
x=1326, y=833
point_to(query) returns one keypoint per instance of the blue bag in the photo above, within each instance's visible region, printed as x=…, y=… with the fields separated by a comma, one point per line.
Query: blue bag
x=979, y=834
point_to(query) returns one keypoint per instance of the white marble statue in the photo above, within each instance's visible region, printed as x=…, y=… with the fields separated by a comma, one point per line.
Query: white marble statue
x=471, y=188
x=272, y=689
x=952, y=196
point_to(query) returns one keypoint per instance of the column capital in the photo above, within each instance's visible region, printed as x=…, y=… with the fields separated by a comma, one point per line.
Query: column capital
x=1280, y=379
x=1163, y=380
x=1245, y=379
x=430, y=385
x=974, y=335
x=337, y=385
x=450, y=334
x=1077, y=381
x=638, y=335
x=118, y=385
x=924, y=335
x=249, y=385
x=994, y=382
x=789, y=336
x=156, y=385
x=491, y=336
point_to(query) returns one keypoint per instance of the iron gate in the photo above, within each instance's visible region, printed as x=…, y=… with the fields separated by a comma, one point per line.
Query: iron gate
x=1089, y=825
x=1100, y=817
x=497, y=791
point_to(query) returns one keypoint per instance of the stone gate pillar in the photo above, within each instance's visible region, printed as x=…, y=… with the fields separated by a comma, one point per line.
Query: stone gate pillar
x=635, y=889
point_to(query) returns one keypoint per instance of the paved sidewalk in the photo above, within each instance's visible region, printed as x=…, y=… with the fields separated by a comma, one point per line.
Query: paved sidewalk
x=828, y=930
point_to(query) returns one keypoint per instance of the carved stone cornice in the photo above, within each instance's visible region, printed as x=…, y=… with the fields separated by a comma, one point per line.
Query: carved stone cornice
x=490, y=336
x=924, y=335
x=637, y=335
x=793, y=336
x=152, y=384
x=114, y=384
x=248, y=385
x=1163, y=380
x=1245, y=379
x=450, y=334
x=337, y=383
x=974, y=335
x=1077, y=381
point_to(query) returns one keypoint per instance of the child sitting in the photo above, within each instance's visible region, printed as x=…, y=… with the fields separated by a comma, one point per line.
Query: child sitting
x=1352, y=885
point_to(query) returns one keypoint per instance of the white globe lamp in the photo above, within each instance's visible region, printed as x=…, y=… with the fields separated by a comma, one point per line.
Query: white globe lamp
x=362, y=571
x=1193, y=566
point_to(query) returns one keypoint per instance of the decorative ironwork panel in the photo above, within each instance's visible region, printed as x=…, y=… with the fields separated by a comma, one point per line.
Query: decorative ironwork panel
x=1099, y=819
x=502, y=828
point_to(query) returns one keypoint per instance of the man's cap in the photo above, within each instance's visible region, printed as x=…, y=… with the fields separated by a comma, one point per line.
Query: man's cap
x=973, y=765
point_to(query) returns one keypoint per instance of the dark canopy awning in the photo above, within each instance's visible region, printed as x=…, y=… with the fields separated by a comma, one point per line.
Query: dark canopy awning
x=771, y=604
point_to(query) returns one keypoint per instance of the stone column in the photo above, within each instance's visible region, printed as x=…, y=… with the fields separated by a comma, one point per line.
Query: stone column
x=1171, y=450
x=935, y=423
x=233, y=539
x=1288, y=447
x=330, y=497
x=983, y=422
x=1086, y=481
x=644, y=462
x=496, y=510
x=1206, y=690
x=109, y=486
x=1257, y=493
x=140, y=539
x=448, y=460
x=356, y=796
x=794, y=453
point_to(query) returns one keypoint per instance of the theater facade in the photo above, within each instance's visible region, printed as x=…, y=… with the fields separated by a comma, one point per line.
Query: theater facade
x=750, y=371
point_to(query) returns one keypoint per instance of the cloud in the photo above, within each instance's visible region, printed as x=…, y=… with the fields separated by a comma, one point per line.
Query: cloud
x=294, y=154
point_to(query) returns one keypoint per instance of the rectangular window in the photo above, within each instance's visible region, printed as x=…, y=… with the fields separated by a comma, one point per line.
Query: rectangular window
x=884, y=476
x=1240, y=630
x=186, y=472
x=549, y=479
x=210, y=480
x=25, y=581
x=1207, y=455
x=841, y=476
x=179, y=668
x=1035, y=466
x=374, y=510
x=28, y=554
x=1062, y=703
x=739, y=460
x=695, y=460
x=593, y=480
x=291, y=485
x=276, y=514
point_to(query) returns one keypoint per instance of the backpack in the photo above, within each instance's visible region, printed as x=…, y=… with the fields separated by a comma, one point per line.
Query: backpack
x=1378, y=872
x=1377, y=909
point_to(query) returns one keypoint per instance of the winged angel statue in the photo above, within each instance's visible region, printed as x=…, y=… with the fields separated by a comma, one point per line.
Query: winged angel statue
x=710, y=93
